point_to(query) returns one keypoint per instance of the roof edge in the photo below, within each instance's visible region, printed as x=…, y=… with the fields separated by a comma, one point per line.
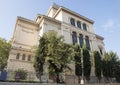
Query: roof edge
x=74, y=13
x=100, y=37
x=25, y=19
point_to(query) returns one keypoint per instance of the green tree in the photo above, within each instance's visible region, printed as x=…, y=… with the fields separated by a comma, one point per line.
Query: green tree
x=4, y=52
x=86, y=63
x=59, y=54
x=98, y=64
x=113, y=62
x=40, y=56
x=54, y=52
x=117, y=72
x=78, y=67
x=109, y=65
x=105, y=67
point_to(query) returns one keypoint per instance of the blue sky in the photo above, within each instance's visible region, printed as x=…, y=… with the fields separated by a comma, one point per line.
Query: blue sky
x=105, y=13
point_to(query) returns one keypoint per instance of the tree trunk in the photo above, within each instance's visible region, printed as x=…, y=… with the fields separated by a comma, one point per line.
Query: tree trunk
x=57, y=78
x=78, y=79
x=98, y=80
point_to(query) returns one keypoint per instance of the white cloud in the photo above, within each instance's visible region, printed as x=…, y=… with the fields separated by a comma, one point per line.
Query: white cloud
x=109, y=25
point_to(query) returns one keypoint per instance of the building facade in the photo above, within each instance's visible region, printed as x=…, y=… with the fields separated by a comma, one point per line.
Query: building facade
x=74, y=27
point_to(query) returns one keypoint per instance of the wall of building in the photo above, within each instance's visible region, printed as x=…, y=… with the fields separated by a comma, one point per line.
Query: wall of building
x=24, y=40
x=67, y=16
x=14, y=64
x=59, y=16
x=25, y=35
x=51, y=26
x=52, y=12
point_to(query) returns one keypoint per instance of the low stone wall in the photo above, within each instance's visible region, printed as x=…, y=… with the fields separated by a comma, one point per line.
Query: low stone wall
x=15, y=83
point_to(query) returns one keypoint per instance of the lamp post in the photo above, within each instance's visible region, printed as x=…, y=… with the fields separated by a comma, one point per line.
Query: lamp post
x=82, y=79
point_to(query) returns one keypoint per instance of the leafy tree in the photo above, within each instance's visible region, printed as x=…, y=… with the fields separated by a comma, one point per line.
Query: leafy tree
x=59, y=54
x=98, y=64
x=54, y=52
x=4, y=52
x=86, y=63
x=109, y=65
x=78, y=67
x=41, y=54
x=117, y=72
x=113, y=61
x=20, y=74
x=105, y=67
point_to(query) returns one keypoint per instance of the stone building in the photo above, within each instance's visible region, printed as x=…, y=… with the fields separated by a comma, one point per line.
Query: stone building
x=74, y=27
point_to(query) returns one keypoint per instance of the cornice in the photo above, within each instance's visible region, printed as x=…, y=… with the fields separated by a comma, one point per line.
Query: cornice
x=52, y=19
x=55, y=6
x=27, y=20
x=38, y=16
x=22, y=49
x=22, y=44
x=23, y=61
x=99, y=37
x=49, y=18
x=73, y=13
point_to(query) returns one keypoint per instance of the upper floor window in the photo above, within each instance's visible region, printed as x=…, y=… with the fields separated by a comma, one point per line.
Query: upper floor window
x=29, y=57
x=18, y=56
x=81, y=40
x=78, y=24
x=23, y=57
x=101, y=51
x=74, y=37
x=87, y=42
x=72, y=21
x=84, y=26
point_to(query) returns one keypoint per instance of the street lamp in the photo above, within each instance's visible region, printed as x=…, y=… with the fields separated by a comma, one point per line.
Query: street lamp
x=82, y=79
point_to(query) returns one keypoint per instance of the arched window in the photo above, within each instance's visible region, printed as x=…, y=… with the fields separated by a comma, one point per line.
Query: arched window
x=79, y=24
x=101, y=52
x=18, y=56
x=87, y=42
x=23, y=57
x=72, y=21
x=29, y=57
x=81, y=40
x=84, y=26
x=74, y=37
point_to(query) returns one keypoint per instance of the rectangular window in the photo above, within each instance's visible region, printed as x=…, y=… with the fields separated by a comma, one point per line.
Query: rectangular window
x=101, y=52
x=72, y=21
x=18, y=56
x=29, y=57
x=23, y=57
x=74, y=38
x=78, y=24
x=81, y=40
x=87, y=43
x=84, y=26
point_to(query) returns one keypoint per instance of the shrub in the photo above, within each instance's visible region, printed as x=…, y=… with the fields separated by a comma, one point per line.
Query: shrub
x=20, y=74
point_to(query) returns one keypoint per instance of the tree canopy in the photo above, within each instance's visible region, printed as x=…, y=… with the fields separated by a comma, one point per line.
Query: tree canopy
x=97, y=64
x=110, y=65
x=53, y=51
x=86, y=63
x=4, y=52
x=78, y=64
